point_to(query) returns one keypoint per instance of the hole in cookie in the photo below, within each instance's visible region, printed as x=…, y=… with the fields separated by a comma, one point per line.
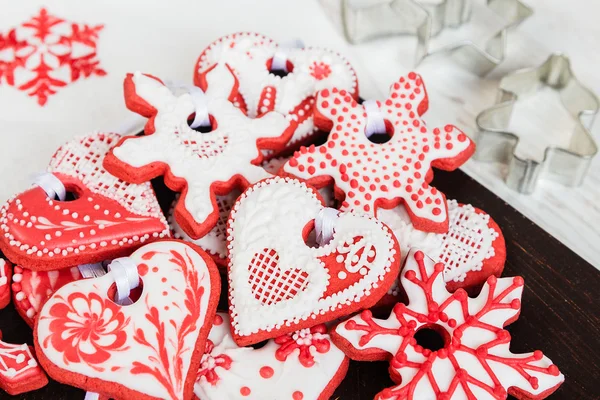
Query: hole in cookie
x=73, y=193
x=134, y=295
x=382, y=137
x=280, y=72
x=310, y=235
x=259, y=345
x=203, y=128
x=432, y=337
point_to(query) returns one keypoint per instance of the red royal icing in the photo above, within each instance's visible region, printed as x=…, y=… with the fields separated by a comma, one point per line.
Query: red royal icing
x=305, y=340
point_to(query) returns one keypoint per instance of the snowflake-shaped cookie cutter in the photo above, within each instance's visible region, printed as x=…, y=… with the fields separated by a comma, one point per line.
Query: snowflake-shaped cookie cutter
x=427, y=19
x=566, y=165
x=473, y=361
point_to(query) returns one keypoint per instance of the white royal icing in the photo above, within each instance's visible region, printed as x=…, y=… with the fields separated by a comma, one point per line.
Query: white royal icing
x=229, y=372
x=168, y=283
x=270, y=217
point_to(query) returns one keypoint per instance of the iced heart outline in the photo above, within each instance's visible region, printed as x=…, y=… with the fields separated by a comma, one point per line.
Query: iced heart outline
x=148, y=350
x=353, y=271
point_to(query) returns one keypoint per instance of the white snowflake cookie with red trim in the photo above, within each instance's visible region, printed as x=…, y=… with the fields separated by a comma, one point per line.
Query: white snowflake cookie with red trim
x=280, y=369
x=474, y=361
x=368, y=174
x=199, y=165
x=278, y=284
x=106, y=219
x=146, y=350
x=472, y=250
x=253, y=57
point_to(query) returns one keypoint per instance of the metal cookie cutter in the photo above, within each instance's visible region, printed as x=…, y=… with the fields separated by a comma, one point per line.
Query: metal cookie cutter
x=367, y=19
x=566, y=165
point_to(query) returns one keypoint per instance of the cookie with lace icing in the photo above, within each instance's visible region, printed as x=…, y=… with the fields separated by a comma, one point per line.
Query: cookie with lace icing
x=19, y=369
x=278, y=283
x=368, y=174
x=199, y=165
x=280, y=369
x=6, y=270
x=474, y=361
x=307, y=70
x=472, y=250
x=146, y=350
x=108, y=217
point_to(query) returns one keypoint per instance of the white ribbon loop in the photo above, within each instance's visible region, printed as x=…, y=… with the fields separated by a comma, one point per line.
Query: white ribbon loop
x=375, y=120
x=201, y=118
x=51, y=185
x=125, y=273
x=280, y=57
x=325, y=225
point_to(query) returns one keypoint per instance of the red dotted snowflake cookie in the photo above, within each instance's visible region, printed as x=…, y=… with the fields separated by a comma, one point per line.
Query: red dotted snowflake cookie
x=370, y=175
x=473, y=362
x=280, y=369
x=250, y=55
x=48, y=53
x=200, y=165
x=106, y=219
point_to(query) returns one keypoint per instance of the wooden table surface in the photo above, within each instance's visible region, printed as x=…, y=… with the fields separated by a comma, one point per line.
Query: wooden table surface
x=560, y=313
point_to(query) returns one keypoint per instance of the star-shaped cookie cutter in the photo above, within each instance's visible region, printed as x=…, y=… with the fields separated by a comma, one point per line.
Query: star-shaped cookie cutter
x=367, y=19
x=566, y=165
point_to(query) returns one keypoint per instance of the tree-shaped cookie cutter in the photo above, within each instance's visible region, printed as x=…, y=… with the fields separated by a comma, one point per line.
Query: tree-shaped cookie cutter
x=367, y=19
x=567, y=165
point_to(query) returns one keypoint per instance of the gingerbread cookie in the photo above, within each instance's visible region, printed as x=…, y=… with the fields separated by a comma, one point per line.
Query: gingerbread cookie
x=31, y=288
x=6, y=271
x=280, y=369
x=259, y=64
x=471, y=250
x=228, y=156
x=19, y=370
x=146, y=350
x=106, y=218
x=278, y=284
x=473, y=361
x=369, y=174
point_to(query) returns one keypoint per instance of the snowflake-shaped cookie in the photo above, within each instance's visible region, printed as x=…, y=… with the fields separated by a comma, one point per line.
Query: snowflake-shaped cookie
x=475, y=361
x=200, y=165
x=370, y=175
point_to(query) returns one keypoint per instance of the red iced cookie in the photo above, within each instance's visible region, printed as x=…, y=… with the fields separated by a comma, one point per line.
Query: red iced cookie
x=199, y=165
x=19, y=370
x=278, y=284
x=107, y=219
x=253, y=56
x=472, y=360
x=6, y=271
x=369, y=174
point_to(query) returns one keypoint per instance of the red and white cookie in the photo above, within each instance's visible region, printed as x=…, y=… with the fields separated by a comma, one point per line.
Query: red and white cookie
x=370, y=175
x=199, y=165
x=147, y=350
x=472, y=250
x=6, y=271
x=109, y=217
x=278, y=284
x=473, y=361
x=250, y=56
x=19, y=370
x=30, y=289
x=280, y=369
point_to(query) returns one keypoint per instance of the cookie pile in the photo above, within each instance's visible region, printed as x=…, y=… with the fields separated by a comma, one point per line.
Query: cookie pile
x=312, y=211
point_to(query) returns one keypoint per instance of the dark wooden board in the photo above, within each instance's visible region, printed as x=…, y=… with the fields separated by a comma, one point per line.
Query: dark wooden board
x=560, y=313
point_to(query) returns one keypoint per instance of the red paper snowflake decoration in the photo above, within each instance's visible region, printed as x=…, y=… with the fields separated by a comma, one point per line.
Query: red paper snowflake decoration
x=368, y=174
x=47, y=53
x=475, y=362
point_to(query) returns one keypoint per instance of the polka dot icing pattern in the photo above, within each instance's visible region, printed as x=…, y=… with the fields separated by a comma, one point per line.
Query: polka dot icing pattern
x=228, y=155
x=309, y=70
x=475, y=362
x=6, y=271
x=277, y=284
x=108, y=218
x=85, y=339
x=372, y=175
x=280, y=369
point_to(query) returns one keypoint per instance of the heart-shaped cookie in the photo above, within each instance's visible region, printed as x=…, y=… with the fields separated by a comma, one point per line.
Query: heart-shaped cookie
x=107, y=219
x=278, y=284
x=147, y=350
x=308, y=70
